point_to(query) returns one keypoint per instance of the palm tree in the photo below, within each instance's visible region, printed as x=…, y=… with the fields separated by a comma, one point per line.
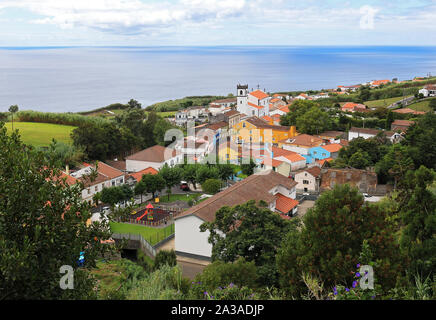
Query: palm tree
x=13, y=109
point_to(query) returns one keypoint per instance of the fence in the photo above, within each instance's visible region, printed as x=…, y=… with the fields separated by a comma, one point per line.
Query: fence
x=146, y=242
x=173, y=212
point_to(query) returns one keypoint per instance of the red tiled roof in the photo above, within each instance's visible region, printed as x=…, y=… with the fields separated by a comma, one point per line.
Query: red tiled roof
x=254, y=105
x=284, y=108
x=403, y=123
x=153, y=154
x=138, y=175
x=254, y=187
x=333, y=147
x=378, y=82
x=273, y=162
x=305, y=140
x=259, y=94
x=109, y=171
x=321, y=162
x=294, y=157
x=285, y=204
x=408, y=110
x=267, y=118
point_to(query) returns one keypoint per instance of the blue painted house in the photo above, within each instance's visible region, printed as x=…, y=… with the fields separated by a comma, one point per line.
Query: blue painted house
x=316, y=153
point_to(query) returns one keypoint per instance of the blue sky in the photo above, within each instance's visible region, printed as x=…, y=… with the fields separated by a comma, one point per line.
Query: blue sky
x=216, y=22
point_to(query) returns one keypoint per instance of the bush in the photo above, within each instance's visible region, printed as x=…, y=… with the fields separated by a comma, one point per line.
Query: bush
x=165, y=257
x=211, y=186
x=166, y=283
x=145, y=261
x=219, y=274
x=70, y=119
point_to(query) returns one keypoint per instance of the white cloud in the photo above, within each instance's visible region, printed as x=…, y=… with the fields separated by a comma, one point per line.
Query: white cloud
x=126, y=16
x=260, y=20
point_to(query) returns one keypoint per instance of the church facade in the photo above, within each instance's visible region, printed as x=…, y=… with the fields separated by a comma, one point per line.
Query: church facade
x=255, y=103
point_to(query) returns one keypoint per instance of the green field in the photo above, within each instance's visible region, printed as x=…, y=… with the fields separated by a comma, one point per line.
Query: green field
x=166, y=114
x=41, y=134
x=152, y=235
x=421, y=106
x=382, y=102
x=182, y=197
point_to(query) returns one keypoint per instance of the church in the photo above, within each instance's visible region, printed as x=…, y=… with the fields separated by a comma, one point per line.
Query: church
x=255, y=103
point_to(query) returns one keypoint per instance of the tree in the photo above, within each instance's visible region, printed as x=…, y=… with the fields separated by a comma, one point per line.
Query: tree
x=389, y=120
x=211, y=186
x=297, y=109
x=359, y=160
x=394, y=165
x=248, y=168
x=112, y=195
x=329, y=243
x=432, y=104
x=421, y=141
x=140, y=188
x=13, y=109
x=364, y=94
x=252, y=232
x=190, y=173
x=205, y=172
x=65, y=155
x=103, y=141
x=313, y=121
x=225, y=171
x=153, y=183
x=171, y=176
x=161, y=127
x=42, y=227
x=418, y=213
x=134, y=104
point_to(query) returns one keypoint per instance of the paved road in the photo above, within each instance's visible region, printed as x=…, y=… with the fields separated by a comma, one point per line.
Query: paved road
x=190, y=270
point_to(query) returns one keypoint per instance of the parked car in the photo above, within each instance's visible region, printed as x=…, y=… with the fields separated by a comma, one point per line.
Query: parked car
x=184, y=186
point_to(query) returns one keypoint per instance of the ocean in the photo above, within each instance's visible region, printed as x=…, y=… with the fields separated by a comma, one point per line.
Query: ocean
x=73, y=79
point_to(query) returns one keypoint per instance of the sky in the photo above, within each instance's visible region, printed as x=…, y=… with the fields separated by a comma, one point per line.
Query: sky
x=216, y=22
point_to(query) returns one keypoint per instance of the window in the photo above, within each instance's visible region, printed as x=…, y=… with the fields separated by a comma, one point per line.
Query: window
x=227, y=156
x=113, y=183
x=305, y=182
x=243, y=124
x=252, y=113
x=96, y=188
x=89, y=191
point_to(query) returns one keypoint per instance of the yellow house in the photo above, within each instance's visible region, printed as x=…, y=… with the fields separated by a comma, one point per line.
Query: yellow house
x=256, y=130
x=229, y=151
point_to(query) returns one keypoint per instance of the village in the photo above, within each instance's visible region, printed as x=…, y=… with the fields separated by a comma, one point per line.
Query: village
x=287, y=169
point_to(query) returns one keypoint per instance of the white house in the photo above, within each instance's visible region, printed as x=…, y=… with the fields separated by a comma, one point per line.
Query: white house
x=365, y=133
x=429, y=90
x=226, y=103
x=193, y=149
x=155, y=157
x=106, y=177
x=255, y=103
x=275, y=189
x=301, y=144
x=308, y=179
